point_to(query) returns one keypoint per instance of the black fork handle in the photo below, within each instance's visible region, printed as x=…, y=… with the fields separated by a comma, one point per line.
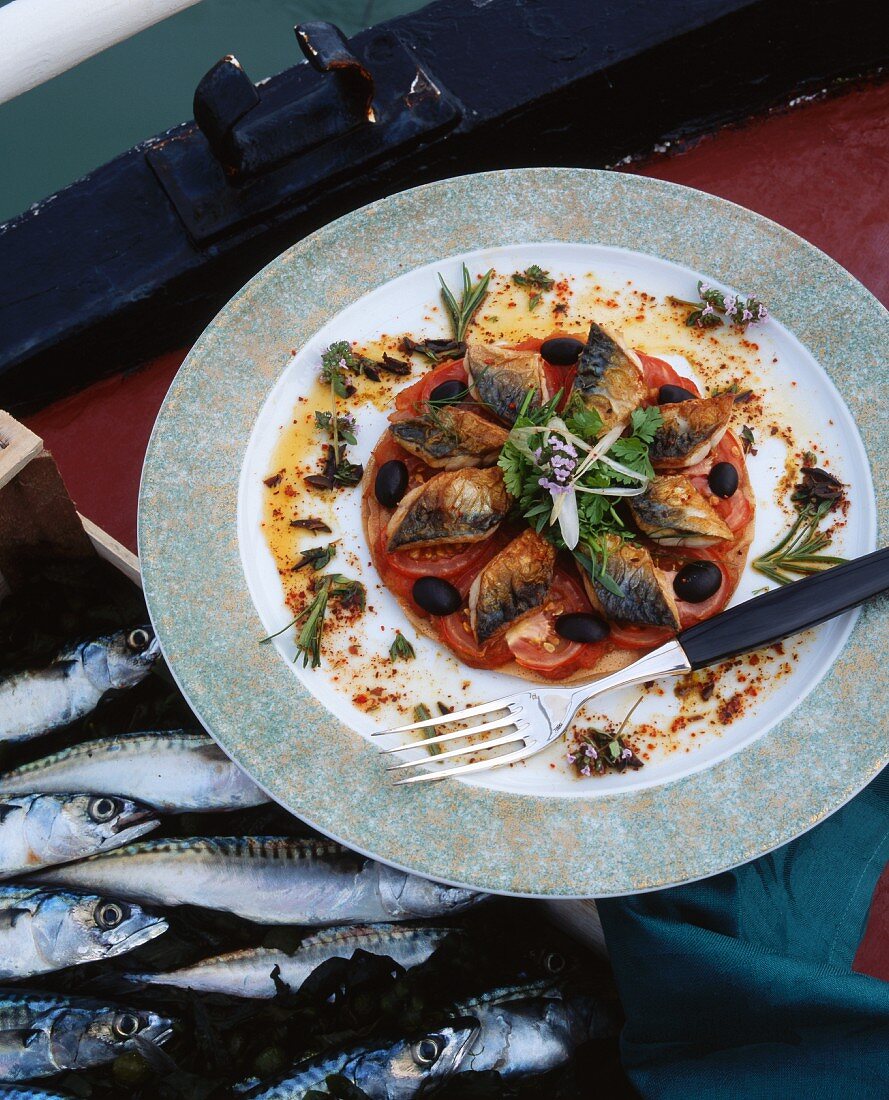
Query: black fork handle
x=778, y=614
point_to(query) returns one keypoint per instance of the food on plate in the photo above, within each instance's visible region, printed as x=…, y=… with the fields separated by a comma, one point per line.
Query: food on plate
x=454, y=508
x=638, y=591
x=500, y=379
x=513, y=584
x=689, y=431
x=672, y=512
x=450, y=438
x=609, y=377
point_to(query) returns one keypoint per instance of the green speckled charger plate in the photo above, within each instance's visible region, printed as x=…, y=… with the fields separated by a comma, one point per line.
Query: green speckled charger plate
x=762, y=796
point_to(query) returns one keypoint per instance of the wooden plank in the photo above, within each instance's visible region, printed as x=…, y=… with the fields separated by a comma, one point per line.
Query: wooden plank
x=18, y=445
x=112, y=551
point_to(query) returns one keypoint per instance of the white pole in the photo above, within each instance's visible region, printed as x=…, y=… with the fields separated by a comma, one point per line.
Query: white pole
x=41, y=38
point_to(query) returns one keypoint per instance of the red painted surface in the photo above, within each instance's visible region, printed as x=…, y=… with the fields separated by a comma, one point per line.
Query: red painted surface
x=819, y=170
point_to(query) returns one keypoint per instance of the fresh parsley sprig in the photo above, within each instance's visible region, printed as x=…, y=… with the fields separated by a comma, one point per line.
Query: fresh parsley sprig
x=462, y=312
x=535, y=280
x=401, y=649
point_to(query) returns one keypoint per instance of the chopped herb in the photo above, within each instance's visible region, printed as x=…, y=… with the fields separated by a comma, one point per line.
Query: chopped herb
x=348, y=473
x=332, y=586
x=274, y=480
x=748, y=440
x=597, y=752
x=401, y=649
x=462, y=312
x=316, y=526
x=434, y=350
x=716, y=304
x=338, y=358
x=421, y=714
x=798, y=553
x=443, y=708
x=345, y=424
x=318, y=557
x=536, y=280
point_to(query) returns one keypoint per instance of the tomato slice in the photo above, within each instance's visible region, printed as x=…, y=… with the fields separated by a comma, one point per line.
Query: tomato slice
x=457, y=635
x=634, y=636
x=446, y=561
x=534, y=642
x=657, y=373
x=735, y=510
x=412, y=398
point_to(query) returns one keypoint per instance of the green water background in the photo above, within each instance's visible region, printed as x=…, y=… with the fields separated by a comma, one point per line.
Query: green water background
x=63, y=129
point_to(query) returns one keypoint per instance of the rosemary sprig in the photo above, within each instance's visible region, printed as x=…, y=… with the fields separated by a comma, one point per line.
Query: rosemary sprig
x=798, y=553
x=332, y=586
x=462, y=312
x=401, y=649
x=421, y=713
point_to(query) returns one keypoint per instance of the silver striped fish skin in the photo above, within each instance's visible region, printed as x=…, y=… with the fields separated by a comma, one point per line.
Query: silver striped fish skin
x=45, y=1033
x=266, y=879
x=387, y=1071
x=40, y=700
x=29, y=1092
x=42, y=930
x=530, y=1029
x=174, y=771
x=43, y=830
x=247, y=973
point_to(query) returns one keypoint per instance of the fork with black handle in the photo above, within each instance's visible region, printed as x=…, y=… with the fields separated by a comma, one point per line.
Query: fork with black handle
x=536, y=718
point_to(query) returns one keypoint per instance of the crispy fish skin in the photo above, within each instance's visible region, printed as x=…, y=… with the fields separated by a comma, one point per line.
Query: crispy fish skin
x=456, y=506
x=38, y=701
x=266, y=879
x=42, y=930
x=513, y=584
x=46, y=1033
x=247, y=973
x=647, y=595
x=690, y=430
x=450, y=438
x=672, y=512
x=500, y=378
x=174, y=771
x=42, y=830
x=609, y=377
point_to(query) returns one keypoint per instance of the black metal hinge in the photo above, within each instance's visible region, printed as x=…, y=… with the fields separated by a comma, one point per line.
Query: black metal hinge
x=259, y=147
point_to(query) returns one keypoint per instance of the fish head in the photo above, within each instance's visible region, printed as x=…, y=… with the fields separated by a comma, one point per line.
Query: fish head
x=406, y=896
x=90, y=1036
x=413, y=1067
x=74, y=928
x=106, y=927
x=121, y=659
x=98, y=822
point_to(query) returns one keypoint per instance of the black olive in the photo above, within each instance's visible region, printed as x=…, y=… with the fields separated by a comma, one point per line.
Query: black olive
x=723, y=479
x=437, y=596
x=448, y=392
x=391, y=482
x=561, y=351
x=582, y=626
x=697, y=581
x=671, y=395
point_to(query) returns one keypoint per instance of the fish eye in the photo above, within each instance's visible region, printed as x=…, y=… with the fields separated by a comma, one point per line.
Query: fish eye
x=126, y=1024
x=427, y=1050
x=109, y=914
x=553, y=962
x=138, y=639
x=103, y=808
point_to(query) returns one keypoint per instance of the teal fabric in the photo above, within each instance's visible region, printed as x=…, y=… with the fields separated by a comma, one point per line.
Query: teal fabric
x=741, y=985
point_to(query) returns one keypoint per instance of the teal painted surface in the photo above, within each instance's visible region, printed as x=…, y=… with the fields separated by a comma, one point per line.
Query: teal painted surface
x=60, y=131
x=776, y=788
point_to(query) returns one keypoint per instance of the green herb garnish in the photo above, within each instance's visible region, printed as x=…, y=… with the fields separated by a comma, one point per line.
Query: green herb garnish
x=462, y=312
x=317, y=556
x=421, y=714
x=798, y=554
x=333, y=586
x=338, y=358
x=598, y=751
x=345, y=425
x=401, y=649
x=536, y=280
x=717, y=304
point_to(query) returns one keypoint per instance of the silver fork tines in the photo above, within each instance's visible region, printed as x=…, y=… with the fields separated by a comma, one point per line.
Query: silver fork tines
x=540, y=717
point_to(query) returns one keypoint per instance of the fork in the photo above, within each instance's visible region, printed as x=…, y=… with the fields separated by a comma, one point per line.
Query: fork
x=538, y=717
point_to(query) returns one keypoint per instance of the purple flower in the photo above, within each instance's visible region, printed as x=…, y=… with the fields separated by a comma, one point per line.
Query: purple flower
x=585, y=770
x=570, y=758
x=625, y=754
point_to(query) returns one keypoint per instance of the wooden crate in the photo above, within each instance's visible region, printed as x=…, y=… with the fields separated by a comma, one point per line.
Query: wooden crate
x=38, y=517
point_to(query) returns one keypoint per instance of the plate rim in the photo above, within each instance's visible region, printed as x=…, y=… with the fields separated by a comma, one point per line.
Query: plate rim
x=624, y=191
